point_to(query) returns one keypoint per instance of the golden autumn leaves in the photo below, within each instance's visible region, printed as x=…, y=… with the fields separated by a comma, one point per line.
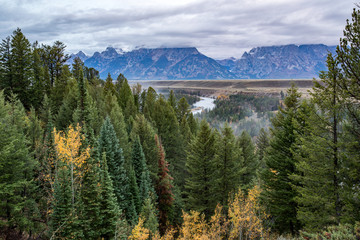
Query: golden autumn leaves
x=245, y=220
x=69, y=152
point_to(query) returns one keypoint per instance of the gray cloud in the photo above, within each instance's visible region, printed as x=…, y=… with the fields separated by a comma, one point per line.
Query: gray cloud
x=218, y=28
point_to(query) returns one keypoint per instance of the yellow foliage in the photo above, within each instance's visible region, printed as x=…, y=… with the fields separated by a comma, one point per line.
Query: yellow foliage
x=139, y=232
x=222, y=96
x=68, y=148
x=218, y=224
x=169, y=235
x=246, y=216
x=194, y=226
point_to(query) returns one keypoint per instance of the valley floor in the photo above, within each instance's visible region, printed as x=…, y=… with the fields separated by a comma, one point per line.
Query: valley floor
x=217, y=87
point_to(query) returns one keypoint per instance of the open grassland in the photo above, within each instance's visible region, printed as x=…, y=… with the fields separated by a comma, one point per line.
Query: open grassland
x=217, y=87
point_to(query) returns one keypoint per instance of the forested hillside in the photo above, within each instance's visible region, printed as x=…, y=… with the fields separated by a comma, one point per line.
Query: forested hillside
x=83, y=158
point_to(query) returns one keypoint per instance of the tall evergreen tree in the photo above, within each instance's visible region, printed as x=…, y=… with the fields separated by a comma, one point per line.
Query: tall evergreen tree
x=172, y=99
x=319, y=161
x=227, y=162
x=90, y=199
x=201, y=166
x=109, y=87
x=16, y=62
x=262, y=142
x=349, y=86
x=63, y=212
x=6, y=78
x=17, y=206
x=168, y=129
x=135, y=193
x=249, y=161
x=279, y=194
x=124, y=93
x=149, y=103
x=109, y=210
x=163, y=188
x=108, y=144
x=141, y=170
x=146, y=134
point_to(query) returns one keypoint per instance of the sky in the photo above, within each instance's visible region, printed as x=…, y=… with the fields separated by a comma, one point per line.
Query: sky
x=217, y=28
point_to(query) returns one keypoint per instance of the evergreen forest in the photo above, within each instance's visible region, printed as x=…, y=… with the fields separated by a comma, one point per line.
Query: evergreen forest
x=86, y=158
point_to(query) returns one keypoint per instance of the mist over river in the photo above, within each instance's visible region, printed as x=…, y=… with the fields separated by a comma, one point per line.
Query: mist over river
x=204, y=103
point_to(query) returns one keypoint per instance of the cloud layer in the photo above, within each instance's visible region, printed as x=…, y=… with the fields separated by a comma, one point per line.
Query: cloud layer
x=218, y=28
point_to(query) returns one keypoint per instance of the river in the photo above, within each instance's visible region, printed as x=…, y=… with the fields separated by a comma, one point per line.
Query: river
x=204, y=103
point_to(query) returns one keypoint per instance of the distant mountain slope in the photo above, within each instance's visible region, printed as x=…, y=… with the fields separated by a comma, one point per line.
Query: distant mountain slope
x=158, y=63
x=275, y=62
x=280, y=62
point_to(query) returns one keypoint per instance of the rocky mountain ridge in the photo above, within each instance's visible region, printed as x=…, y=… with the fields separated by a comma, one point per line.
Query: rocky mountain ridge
x=274, y=62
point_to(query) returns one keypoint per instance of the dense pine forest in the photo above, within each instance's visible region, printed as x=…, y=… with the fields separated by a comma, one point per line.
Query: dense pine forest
x=83, y=158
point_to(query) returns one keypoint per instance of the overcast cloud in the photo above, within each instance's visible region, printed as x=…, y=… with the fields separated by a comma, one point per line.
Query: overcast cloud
x=218, y=28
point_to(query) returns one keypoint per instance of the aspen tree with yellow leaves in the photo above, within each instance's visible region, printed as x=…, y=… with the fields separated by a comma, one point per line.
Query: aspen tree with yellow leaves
x=139, y=232
x=246, y=216
x=68, y=151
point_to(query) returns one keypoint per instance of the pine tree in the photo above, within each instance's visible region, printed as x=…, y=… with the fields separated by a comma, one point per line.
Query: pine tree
x=90, y=199
x=109, y=210
x=65, y=115
x=6, y=78
x=124, y=93
x=349, y=86
x=135, y=194
x=109, y=87
x=172, y=100
x=163, y=188
x=201, y=166
x=141, y=170
x=262, y=142
x=168, y=129
x=146, y=134
x=148, y=213
x=21, y=73
x=319, y=161
x=249, y=161
x=279, y=194
x=108, y=144
x=182, y=110
x=117, y=119
x=149, y=103
x=17, y=207
x=63, y=212
x=39, y=86
x=227, y=162
x=60, y=90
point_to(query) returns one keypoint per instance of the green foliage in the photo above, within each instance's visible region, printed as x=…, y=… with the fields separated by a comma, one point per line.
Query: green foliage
x=249, y=161
x=108, y=144
x=201, y=166
x=340, y=232
x=109, y=210
x=62, y=214
x=109, y=87
x=279, y=194
x=146, y=133
x=16, y=170
x=169, y=132
x=349, y=86
x=227, y=162
x=149, y=214
x=319, y=158
x=90, y=199
x=141, y=171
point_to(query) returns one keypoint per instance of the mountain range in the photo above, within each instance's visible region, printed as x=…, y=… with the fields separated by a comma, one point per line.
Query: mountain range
x=274, y=62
